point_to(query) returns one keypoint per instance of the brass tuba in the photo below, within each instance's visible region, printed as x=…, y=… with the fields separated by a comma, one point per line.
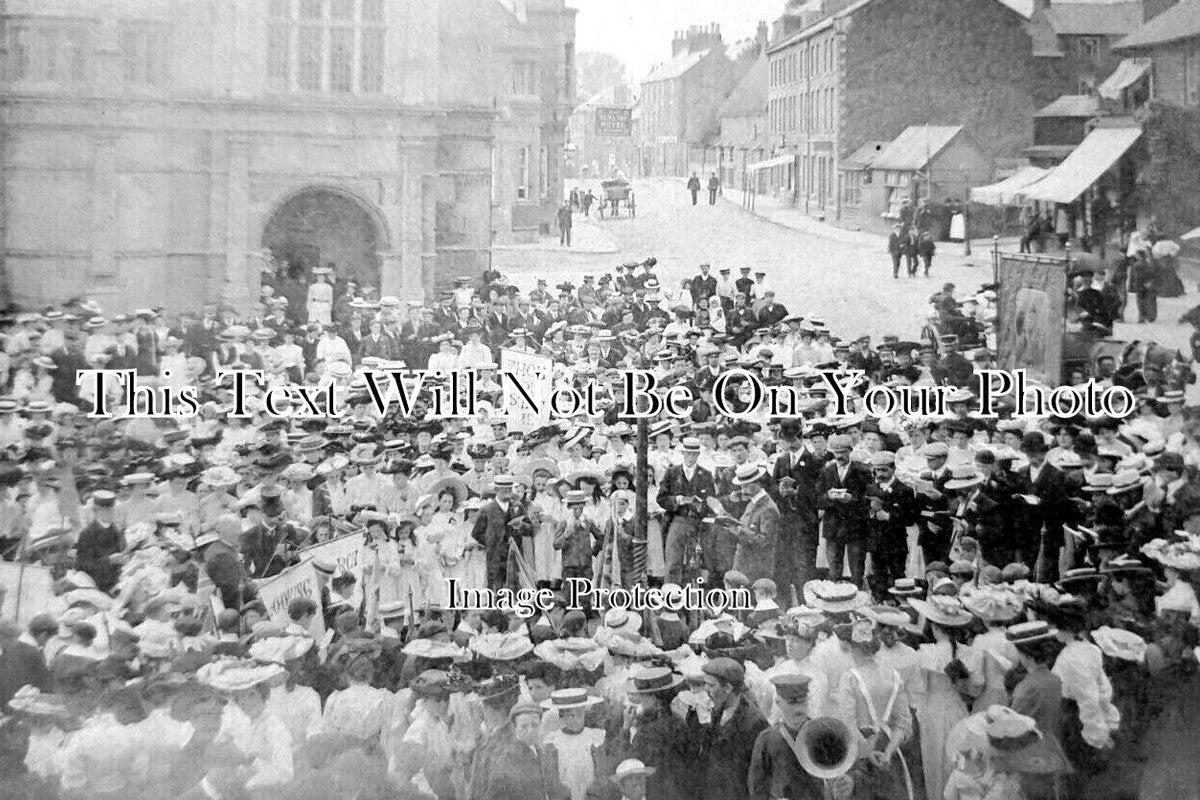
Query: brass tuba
x=827, y=748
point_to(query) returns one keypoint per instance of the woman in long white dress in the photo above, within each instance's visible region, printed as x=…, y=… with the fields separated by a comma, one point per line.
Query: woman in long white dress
x=547, y=562
x=320, y=298
x=389, y=566
x=437, y=522
x=939, y=698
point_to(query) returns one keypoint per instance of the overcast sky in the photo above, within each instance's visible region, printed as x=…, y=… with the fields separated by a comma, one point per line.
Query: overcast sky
x=639, y=31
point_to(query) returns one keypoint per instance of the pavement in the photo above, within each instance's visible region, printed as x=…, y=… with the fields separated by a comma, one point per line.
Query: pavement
x=588, y=237
x=814, y=268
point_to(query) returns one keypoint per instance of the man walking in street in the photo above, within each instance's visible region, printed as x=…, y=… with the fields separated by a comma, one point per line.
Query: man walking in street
x=693, y=186
x=564, y=224
x=714, y=186
x=896, y=249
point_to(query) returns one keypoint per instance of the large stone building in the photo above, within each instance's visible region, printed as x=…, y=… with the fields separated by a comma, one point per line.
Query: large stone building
x=843, y=74
x=165, y=153
x=677, y=109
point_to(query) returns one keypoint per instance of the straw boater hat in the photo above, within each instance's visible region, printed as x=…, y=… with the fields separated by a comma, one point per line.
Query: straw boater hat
x=1016, y=739
x=905, y=587
x=629, y=768
x=652, y=680
x=1119, y=643
x=501, y=646
x=963, y=477
x=1030, y=632
x=943, y=610
x=233, y=675
x=432, y=649
x=832, y=597
x=886, y=615
x=567, y=699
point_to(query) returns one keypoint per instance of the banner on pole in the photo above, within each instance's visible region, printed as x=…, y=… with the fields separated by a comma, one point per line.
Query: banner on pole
x=299, y=581
x=525, y=374
x=27, y=590
x=1030, y=315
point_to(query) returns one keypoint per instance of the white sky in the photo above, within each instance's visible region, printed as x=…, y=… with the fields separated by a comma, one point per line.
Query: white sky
x=639, y=32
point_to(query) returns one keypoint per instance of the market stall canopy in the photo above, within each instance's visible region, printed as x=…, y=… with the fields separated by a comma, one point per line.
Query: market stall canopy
x=1008, y=191
x=777, y=161
x=1087, y=162
x=1127, y=73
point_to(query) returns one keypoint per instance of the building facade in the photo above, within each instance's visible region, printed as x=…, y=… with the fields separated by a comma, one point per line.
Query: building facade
x=600, y=136
x=167, y=154
x=1171, y=43
x=677, y=107
x=841, y=81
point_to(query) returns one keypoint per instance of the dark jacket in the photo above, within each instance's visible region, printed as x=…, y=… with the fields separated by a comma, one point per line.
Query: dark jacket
x=520, y=773
x=259, y=546
x=676, y=483
x=664, y=741
x=493, y=530
x=775, y=771
x=900, y=504
x=96, y=543
x=727, y=749
x=21, y=665
x=845, y=520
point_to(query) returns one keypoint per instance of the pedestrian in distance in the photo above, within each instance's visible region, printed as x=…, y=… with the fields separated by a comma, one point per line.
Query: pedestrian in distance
x=910, y=251
x=925, y=250
x=564, y=224
x=896, y=249
x=714, y=186
x=693, y=186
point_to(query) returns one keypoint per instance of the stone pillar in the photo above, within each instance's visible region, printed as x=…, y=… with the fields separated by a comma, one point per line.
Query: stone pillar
x=429, y=188
x=401, y=269
x=238, y=289
x=103, y=278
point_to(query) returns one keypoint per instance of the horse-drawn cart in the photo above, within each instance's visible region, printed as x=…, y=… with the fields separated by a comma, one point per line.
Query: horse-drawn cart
x=617, y=192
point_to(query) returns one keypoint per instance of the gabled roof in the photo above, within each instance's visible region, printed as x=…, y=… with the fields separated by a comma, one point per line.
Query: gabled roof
x=1095, y=19
x=749, y=97
x=1181, y=21
x=863, y=157
x=1023, y=8
x=668, y=70
x=1071, y=105
x=916, y=147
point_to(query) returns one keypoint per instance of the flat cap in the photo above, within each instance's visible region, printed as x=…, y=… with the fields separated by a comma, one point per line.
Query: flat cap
x=725, y=669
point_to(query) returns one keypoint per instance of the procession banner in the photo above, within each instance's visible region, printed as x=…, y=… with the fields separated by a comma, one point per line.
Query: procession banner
x=533, y=373
x=1029, y=315
x=299, y=581
x=343, y=552
x=27, y=590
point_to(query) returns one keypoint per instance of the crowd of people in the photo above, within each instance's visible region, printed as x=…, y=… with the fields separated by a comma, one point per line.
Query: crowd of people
x=946, y=607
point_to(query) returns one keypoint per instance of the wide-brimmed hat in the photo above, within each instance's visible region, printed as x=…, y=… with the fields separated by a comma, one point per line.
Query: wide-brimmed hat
x=232, y=675
x=432, y=649
x=566, y=699
x=432, y=683
x=994, y=604
x=501, y=646
x=32, y=701
x=748, y=473
x=1125, y=566
x=943, y=610
x=628, y=768
x=1125, y=481
x=454, y=484
x=1119, y=643
x=834, y=596
x=963, y=477
x=1074, y=579
x=281, y=649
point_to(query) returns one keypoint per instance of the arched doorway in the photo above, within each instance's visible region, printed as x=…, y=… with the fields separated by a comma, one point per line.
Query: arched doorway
x=321, y=226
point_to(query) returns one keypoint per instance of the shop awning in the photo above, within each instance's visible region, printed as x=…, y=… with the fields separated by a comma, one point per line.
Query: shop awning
x=1087, y=162
x=1008, y=191
x=1127, y=73
x=777, y=161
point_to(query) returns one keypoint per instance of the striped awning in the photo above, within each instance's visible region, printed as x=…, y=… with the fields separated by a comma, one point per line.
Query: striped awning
x=777, y=161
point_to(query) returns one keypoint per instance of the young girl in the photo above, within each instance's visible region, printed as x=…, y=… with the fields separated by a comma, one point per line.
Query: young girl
x=389, y=566
x=547, y=562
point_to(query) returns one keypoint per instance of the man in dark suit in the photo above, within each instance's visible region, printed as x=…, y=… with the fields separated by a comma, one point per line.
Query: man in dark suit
x=219, y=551
x=68, y=361
x=100, y=541
x=501, y=520
x=953, y=368
x=703, y=285
x=895, y=248
x=770, y=312
x=684, y=494
x=796, y=473
x=759, y=525
x=21, y=664
x=269, y=547
x=893, y=509
x=1043, y=517
x=727, y=742
x=842, y=494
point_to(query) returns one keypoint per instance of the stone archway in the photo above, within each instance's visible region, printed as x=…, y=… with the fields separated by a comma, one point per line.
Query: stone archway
x=327, y=226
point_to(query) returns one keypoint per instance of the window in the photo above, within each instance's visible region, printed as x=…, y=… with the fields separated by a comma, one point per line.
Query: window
x=524, y=77
x=1088, y=47
x=47, y=51
x=334, y=46
x=523, y=173
x=1191, y=77
x=544, y=173
x=852, y=183
x=145, y=53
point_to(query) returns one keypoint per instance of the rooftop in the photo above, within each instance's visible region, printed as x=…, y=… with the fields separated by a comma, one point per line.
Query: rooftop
x=865, y=155
x=1181, y=21
x=1071, y=105
x=749, y=97
x=915, y=147
x=1095, y=19
x=668, y=70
